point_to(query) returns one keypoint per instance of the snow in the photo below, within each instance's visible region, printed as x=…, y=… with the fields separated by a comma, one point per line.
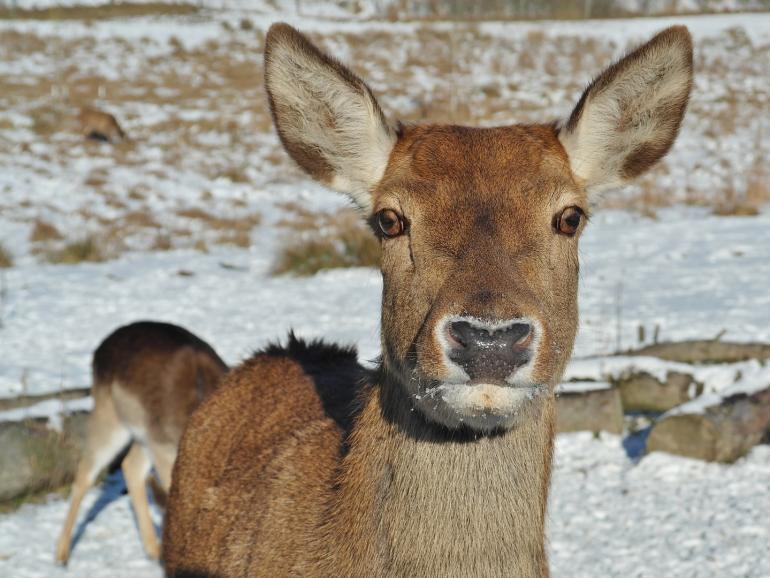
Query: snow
x=718, y=381
x=584, y=386
x=751, y=378
x=665, y=516
x=109, y=545
x=608, y=516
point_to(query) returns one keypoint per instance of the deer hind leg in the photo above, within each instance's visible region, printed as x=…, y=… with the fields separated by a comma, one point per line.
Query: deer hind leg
x=107, y=436
x=136, y=466
x=163, y=456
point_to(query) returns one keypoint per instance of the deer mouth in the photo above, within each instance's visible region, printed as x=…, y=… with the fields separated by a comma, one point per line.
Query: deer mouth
x=481, y=405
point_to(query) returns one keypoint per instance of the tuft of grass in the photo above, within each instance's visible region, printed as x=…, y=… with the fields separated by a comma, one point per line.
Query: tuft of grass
x=140, y=219
x=46, y=120
x=239, y=238
x=87, y=249
x=235, y=174
x=344, y=242
x=162, y=242
x=736, y=210
x=245, y=222
x=647, y=198
x=747, y=203
x=44, y=231
x=6, y=260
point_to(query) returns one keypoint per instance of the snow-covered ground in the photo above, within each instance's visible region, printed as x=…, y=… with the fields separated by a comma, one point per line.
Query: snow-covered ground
x=188, y=91
x=665, y=516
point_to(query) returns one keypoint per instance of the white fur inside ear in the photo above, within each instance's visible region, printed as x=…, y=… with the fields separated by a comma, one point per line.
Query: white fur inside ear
x=323, y=108
x=631, y=114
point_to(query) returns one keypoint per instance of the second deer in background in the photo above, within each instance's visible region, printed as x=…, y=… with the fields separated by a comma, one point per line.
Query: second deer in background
x=148, y=377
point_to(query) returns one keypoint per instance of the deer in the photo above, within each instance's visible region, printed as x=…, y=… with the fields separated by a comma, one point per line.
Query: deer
x=99, y=125
x=147, y=378
x=436, y=462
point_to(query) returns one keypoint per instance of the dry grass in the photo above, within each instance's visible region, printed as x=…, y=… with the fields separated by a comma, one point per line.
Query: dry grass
x=100, y=12
x=162, y=242
x=747, y=203
x=326, y=241
x=646, y=199
x=96, y=179
x=46, y=119
x=758, y=186
x=88, y=249
x=243, y=223
x=43, y=231
x=238, y=238
x=6, y=260
x=236, y=174
x=139, y=220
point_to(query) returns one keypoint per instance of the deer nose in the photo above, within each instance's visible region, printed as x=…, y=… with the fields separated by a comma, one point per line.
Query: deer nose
x=489, y=352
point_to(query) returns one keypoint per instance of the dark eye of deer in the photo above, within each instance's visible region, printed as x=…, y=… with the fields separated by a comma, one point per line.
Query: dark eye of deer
x=390, y=222
x=568, y=221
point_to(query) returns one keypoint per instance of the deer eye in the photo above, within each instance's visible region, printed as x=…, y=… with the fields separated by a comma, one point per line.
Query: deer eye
x=390, y=223
x=568, y=220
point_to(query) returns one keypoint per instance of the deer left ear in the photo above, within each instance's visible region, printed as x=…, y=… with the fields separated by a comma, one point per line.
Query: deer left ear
x=629, y=116
x=326, y=116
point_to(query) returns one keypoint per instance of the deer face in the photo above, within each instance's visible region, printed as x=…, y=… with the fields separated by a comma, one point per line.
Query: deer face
x=480, y=276
x=479, y=227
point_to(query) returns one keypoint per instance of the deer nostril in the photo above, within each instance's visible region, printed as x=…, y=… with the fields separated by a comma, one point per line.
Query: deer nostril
x=459, y=333
x=482, y=350
x=524, y=333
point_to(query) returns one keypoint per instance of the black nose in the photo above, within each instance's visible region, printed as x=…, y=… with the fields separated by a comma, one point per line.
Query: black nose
x=491, y=354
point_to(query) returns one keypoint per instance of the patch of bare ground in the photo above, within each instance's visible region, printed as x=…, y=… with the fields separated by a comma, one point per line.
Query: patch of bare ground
x=315, y=241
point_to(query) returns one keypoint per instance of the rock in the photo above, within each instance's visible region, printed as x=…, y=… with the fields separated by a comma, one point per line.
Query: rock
x=711, y=351
x=720, y=433
x=34, y=457
x=591, y=406
x=643, y=392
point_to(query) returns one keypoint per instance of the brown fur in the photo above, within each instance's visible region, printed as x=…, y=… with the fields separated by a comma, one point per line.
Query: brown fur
x=270, y=481
x=148, y=377
x=100, y=125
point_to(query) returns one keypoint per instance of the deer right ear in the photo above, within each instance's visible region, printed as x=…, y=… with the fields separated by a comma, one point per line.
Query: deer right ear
x=327, y=118
x=628, y=118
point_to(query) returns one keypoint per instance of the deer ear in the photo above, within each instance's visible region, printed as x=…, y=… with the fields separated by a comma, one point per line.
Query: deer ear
x=327, y=118
x=629, y=116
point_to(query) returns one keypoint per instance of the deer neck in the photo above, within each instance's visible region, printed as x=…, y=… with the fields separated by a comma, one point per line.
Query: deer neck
x=414, y=500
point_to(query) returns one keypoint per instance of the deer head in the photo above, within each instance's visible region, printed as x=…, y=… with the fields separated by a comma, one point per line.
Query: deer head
x=479, y=227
